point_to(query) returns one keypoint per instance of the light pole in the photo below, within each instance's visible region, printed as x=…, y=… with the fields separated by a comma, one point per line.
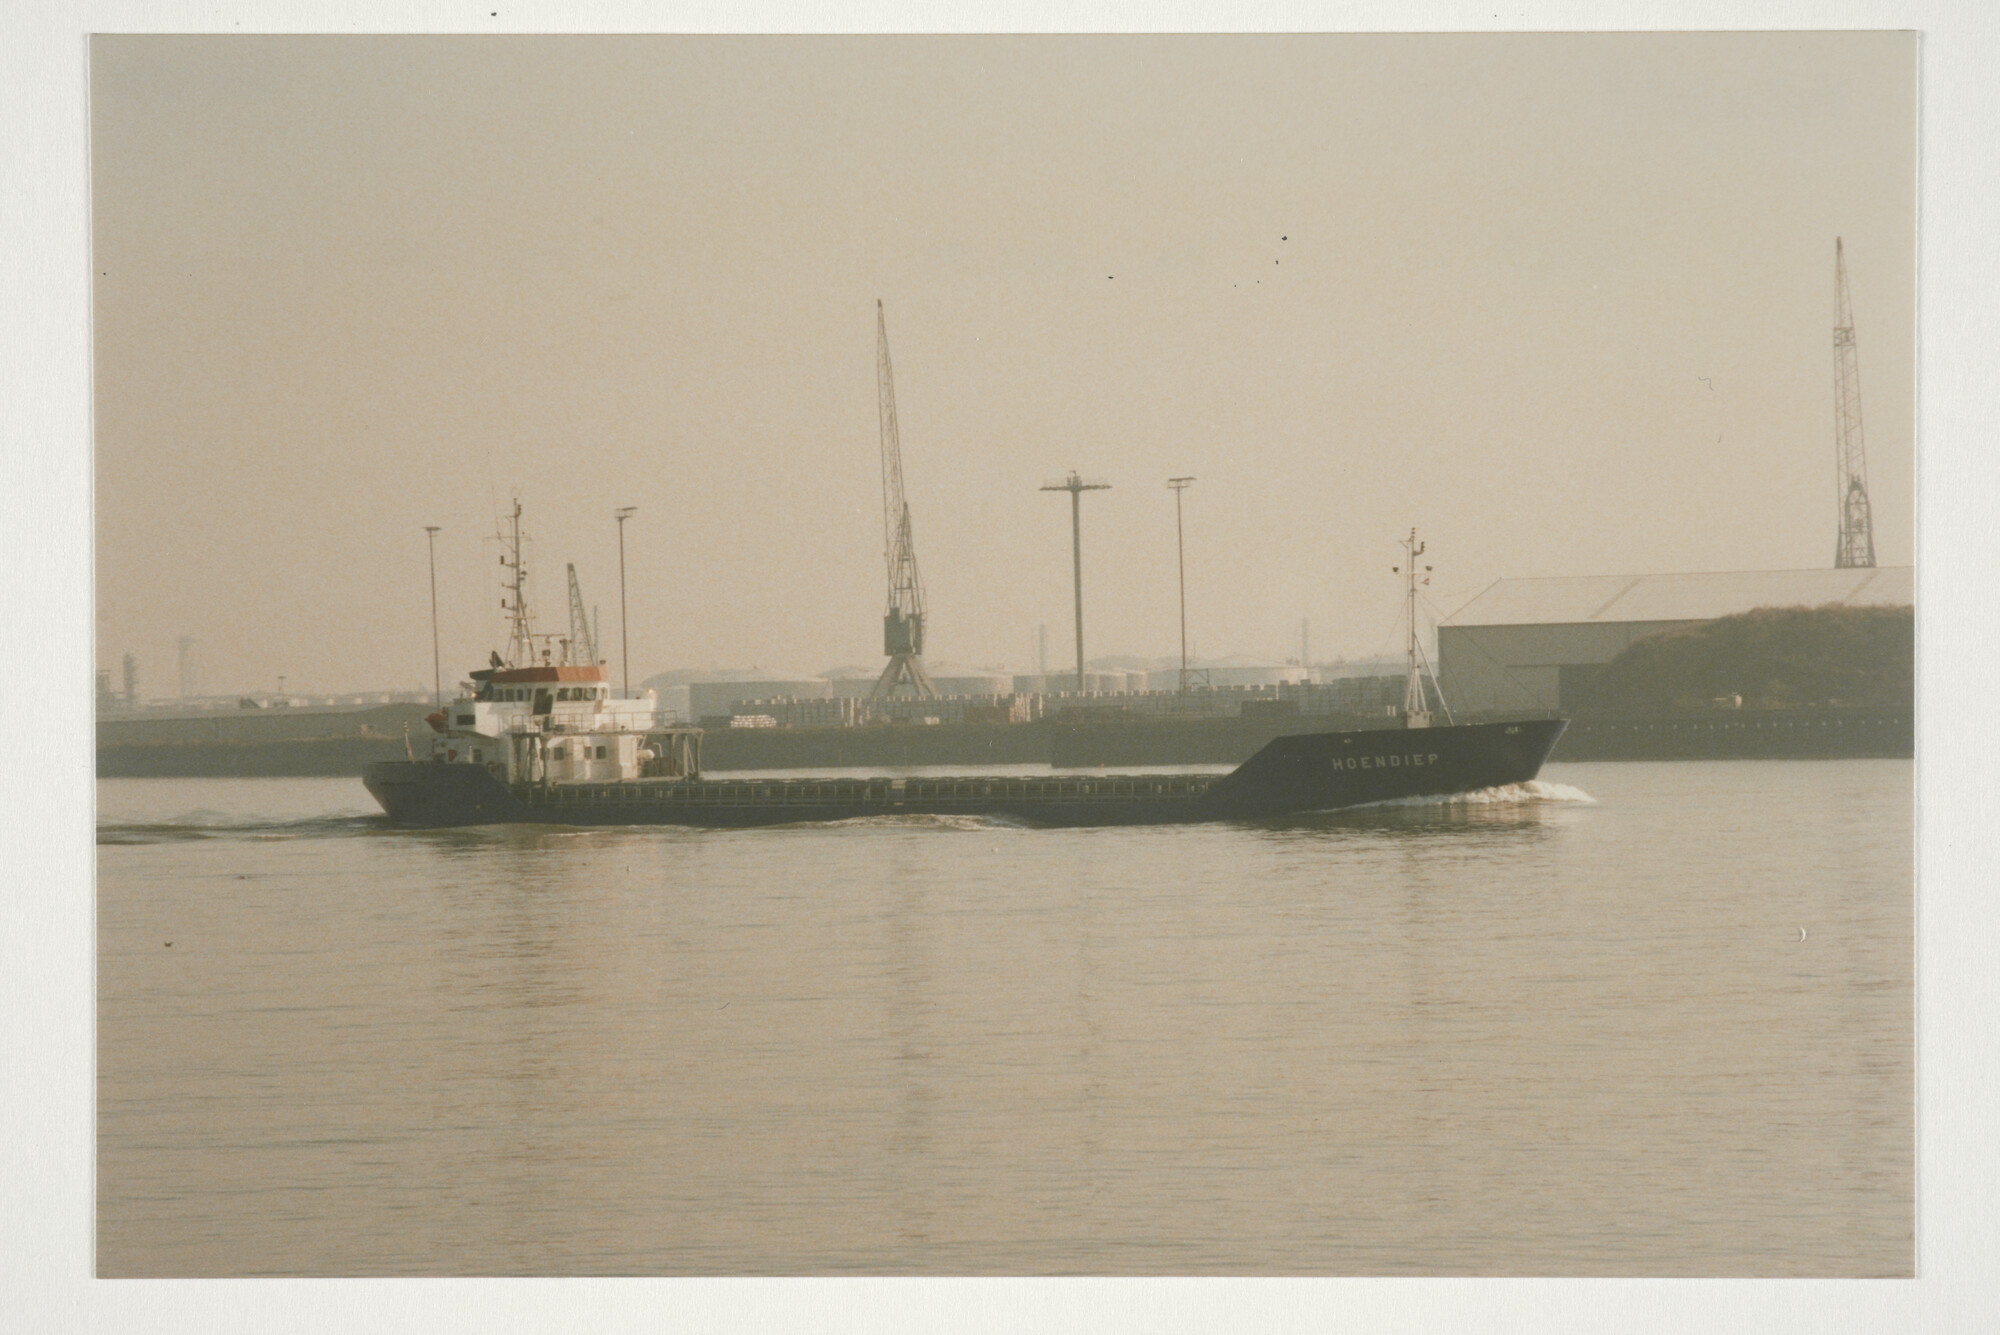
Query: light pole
x=1076, y=486
x=621, y=514
x=1181, y=484
x=437, y=672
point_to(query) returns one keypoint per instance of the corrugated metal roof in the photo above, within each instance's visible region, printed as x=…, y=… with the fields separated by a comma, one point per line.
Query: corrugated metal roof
x=1607, y=598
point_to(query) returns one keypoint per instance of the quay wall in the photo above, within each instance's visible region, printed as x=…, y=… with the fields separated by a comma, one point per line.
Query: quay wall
x=1732, y=734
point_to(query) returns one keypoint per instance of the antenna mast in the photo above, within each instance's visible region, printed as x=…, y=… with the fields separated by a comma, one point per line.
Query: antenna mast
x=582, y=642
x=1416, y=707
x=1856, y=544
x=903, y=624
x=520, y=638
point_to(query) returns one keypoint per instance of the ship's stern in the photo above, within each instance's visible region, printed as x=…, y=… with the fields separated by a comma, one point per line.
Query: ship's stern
x=434, y=794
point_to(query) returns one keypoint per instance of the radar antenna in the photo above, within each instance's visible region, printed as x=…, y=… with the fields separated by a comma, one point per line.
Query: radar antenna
x=903, y=624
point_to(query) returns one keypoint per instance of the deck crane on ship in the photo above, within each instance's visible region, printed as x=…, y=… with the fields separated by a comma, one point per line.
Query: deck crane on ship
x=581, y=646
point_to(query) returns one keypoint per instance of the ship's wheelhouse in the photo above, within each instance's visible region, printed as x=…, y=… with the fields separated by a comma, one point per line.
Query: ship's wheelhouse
x=550, y=683
x=556, y=724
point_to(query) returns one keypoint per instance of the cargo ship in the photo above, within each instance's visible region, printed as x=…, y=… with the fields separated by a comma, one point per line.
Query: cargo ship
x=537, y=740
x=528, y=780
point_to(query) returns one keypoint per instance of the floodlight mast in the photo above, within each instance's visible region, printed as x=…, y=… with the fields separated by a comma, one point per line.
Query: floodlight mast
x=1076, y=486
x=621, y=514
x=1181, y=484
x=437, y=669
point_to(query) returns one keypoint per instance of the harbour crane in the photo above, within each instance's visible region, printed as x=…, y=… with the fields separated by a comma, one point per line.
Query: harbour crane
x=1856, y=544
x=903, y=624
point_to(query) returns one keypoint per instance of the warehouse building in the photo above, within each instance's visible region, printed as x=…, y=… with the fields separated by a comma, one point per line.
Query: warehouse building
x=1536, y=644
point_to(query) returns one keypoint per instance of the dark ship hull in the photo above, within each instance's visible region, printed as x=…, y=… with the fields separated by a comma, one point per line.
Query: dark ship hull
x=1292, y=774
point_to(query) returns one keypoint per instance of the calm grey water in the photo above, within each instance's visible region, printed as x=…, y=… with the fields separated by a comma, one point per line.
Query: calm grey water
x=1578, y=1034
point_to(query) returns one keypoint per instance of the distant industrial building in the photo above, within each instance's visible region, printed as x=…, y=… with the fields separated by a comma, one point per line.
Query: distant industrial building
x=1236, y=670
x=1346, y=668
x=1538, y=643
x=973, y=683
x=717, y=699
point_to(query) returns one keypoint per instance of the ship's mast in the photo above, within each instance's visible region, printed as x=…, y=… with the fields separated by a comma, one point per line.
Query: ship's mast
x=1415, y=715
x=1416, y=704
x=520, y=639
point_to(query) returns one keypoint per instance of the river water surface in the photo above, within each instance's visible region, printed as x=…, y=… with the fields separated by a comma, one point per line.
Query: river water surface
x=1650, y=1019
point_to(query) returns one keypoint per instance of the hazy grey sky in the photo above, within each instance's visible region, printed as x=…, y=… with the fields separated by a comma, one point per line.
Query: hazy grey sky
x=1561, y=301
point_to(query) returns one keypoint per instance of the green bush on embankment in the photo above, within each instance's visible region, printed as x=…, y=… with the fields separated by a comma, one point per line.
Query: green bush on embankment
x=1774, y=658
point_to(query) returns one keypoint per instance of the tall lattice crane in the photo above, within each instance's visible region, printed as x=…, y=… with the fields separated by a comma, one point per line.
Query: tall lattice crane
x=581, y=647
x=903, y=625
x=1856, y=545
